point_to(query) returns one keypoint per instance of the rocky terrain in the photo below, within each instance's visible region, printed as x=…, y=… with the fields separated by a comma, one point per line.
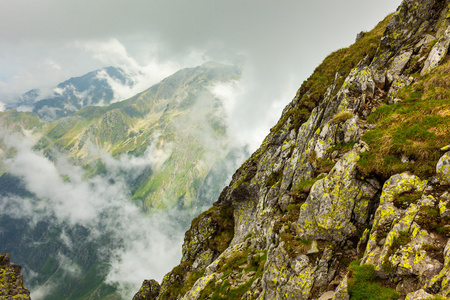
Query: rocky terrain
x=11, y=282
x=348, y=197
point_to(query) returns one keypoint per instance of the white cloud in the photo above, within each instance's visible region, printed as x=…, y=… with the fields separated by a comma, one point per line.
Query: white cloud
x=143, y=75
x=149, y=246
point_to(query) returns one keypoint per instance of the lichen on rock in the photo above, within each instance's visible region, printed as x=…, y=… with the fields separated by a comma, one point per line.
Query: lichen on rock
x=11, y=281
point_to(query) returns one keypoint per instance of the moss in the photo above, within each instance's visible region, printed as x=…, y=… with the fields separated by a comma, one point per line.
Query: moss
x=429, y=219
x=274, y=178
x=434, y=251
x=342, y=61
x=363, y=284
x=404, y=199
x=231, y=267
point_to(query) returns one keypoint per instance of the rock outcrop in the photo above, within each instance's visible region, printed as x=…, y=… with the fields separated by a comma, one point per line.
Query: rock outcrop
x=352, y=172
x=11, y=282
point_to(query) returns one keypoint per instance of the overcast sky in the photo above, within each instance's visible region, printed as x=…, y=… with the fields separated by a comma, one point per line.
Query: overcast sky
x=45, y=42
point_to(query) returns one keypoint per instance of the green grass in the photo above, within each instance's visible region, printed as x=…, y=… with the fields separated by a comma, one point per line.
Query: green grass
x=430, y=219
x=342, y=61
x=364, y=285
x=342, y=116
x=403, y=200
x=415, y=128
x=232, y=265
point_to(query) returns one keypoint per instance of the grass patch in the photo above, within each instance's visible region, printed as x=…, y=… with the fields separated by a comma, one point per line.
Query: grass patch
x=343, y=61
x=402, y=239
x=414, y=128
x=429, y=219
x=341, y=148
x=342, y=116
x=294, y=245
x=364, y=285
x=301, y=191
x=403, y=200
x=324, y=165
x=434, y=252
x=232, y=266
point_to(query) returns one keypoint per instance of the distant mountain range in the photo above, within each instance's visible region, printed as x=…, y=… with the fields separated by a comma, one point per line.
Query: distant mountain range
x=93, y=88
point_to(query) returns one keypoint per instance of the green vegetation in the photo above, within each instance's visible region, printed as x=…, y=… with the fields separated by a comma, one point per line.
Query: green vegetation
x=434, y=251
x=430, y=219
x=237, y=265
x=342, y=62
x=274, y=178
x=364, y=285
x=294, y=245
x=342, y=116
x=301, y=191
x=404, y=199
x=402, y=239
x=341, y=148
x=415, y=128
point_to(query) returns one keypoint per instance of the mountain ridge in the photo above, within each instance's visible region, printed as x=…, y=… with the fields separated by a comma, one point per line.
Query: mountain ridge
x=344, y=176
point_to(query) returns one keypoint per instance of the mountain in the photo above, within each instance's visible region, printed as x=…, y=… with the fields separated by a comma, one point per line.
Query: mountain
x=93, y=88
x=348, y=195
x=165, y=149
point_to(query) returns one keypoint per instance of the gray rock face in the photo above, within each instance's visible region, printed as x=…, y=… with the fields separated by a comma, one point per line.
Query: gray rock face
x=301, y=208
x=11, y=281
x=336, y=203
x=443, y=169
x=149, y=291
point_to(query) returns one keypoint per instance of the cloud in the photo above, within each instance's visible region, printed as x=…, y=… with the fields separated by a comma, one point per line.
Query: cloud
x=142, y=75
x=283, y=42
x=147, y=245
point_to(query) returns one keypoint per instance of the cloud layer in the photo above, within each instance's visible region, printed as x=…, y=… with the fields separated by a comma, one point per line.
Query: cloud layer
x=49, y=41
x=144, y=247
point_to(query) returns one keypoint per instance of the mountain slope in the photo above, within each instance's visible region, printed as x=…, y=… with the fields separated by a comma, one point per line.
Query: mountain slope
x=166, y=149
x=354, y=170
x=178, y=118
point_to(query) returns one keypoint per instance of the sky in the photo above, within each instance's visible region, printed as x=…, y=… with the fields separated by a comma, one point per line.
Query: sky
x=45, y=42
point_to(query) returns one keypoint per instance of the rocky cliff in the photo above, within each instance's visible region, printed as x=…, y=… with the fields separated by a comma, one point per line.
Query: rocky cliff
x=11, y=282
x=348, y=196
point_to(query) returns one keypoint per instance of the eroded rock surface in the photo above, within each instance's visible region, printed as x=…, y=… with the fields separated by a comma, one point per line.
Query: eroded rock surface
x=301, y=207
x=11, y=281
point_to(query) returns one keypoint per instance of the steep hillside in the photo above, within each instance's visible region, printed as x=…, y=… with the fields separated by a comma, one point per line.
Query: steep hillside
x=348, y=196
